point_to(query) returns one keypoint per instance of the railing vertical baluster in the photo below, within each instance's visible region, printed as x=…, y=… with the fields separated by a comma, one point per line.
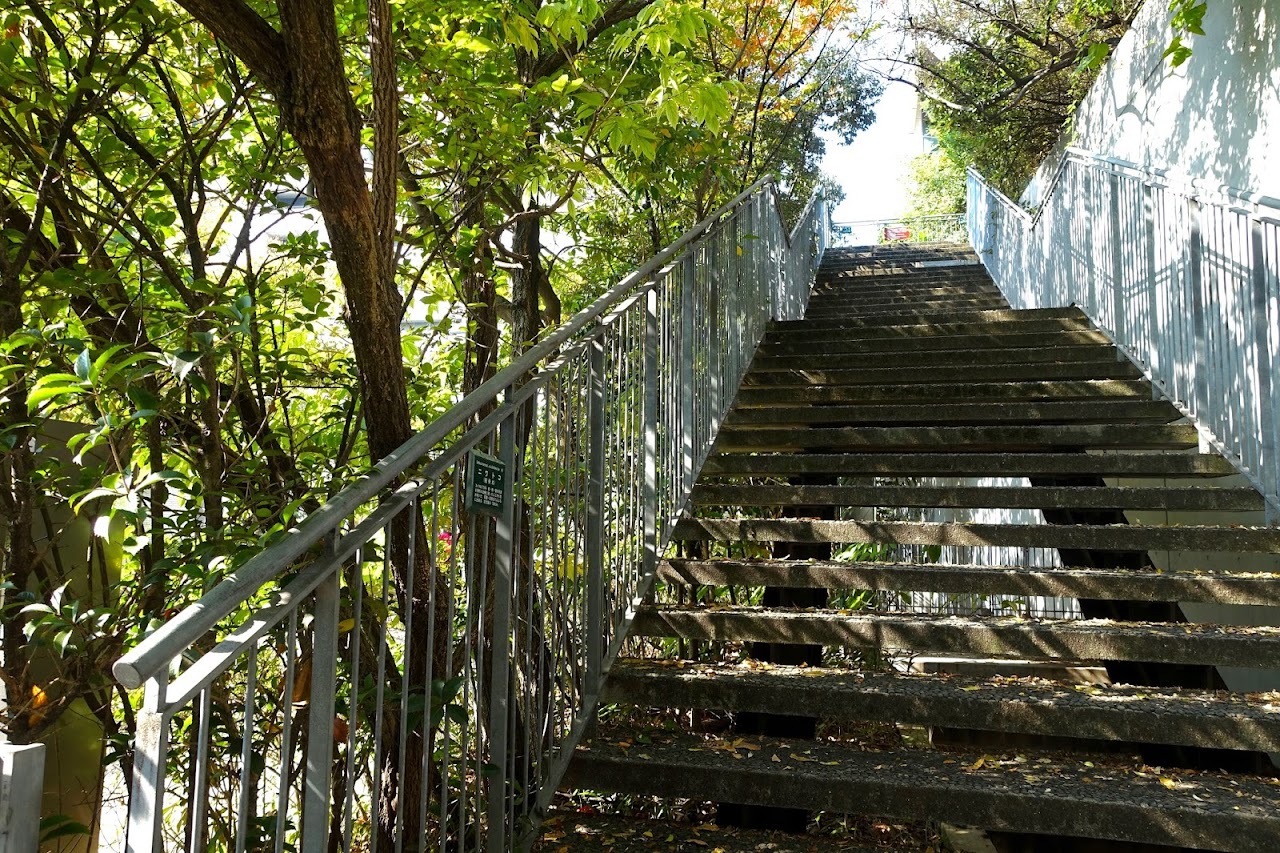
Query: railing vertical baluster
x=715, y=345
x=1199, y=365
x=688, y=336
x=1154, y=335
x=649, y=496
x=198, y=828
x=324, y=679
x=500, y=656
x=595, y=519
x=1263, y=365
x=246, y=753
x=1117, y=269
x=150, y=760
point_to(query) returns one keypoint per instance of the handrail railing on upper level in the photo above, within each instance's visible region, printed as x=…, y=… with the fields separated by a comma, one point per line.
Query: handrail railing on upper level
x=1183, y=275
x=411, y=667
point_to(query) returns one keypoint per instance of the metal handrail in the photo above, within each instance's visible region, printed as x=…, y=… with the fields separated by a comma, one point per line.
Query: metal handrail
x=1183, y=274
x=468, y=646
x=148, y=657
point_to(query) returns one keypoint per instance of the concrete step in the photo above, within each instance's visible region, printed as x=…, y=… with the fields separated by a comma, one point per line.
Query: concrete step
x=577, y=832
x=1006, y=438
x=981, y=636
x=796, y=345
x=1079, y=353
x=906, y=288
x=1090, y=370
x=1024, y=705
x=858, y=299
x=1055, y=797
x=957, y=414
x=893, y=312
x=917, y=318
x=1119, y=537
x=1223, y=587
x=1114, y=464
x=995, y=497
x=1084, y=391
x=833, y=331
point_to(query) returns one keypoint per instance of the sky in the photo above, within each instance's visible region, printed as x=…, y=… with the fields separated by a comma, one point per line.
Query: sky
x=873, y=169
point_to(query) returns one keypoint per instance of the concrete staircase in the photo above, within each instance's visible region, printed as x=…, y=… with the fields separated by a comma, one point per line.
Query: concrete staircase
x=883, y=419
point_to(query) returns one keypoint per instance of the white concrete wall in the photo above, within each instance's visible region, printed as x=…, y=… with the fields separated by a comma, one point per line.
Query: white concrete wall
x=1215, y=117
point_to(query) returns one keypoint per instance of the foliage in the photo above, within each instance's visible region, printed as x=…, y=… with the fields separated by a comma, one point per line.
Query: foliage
x=201, y=295
x=937, y=184
x=1001, y=78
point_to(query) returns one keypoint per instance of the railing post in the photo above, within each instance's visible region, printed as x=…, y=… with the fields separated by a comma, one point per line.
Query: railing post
x=595, y=519
x=1200, y=368
x=650, y=420
x=1153, y=307
x=1264, y=364
x=688, y=334
x=21, y=789
x=1117, y=271
x=150, y=759
x=321, y=706
x=500, y=647
x=715, y=349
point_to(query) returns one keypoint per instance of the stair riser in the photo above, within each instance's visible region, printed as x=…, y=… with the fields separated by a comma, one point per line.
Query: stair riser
x=1075, y=537
x=1056, y=640
x=1067, y=583
x=820, y=312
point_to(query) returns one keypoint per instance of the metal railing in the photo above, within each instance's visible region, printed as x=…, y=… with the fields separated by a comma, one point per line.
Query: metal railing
x=411, y=667
x=1183, y=276
x=943, y=227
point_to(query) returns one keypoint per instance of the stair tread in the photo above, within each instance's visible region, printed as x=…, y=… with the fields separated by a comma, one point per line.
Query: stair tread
x=1004, y=497
x=1004, y=436
x=774, y=345
x=1020, y=704
x=987, y=636
x=1101, y=369
x=1015, y=392
x=1069, y=353
x=1239, y=587
x=1117, y=537
x=570, y=832
x=1056, y=796
x=921, y=318
x=941, y=464
x=965, y=414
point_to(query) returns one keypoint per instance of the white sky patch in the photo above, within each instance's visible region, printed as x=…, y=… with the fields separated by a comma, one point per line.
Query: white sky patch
x=873, y=170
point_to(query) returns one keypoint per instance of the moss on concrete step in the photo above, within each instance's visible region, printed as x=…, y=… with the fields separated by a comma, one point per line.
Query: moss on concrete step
x=1014, y=497
x=1001, y=437
x=1261, y=588
x=1116, y=464
x=993, y=636
x=958, y=414
x=1025, y=705
x=1119, y=537
x=1007, y=791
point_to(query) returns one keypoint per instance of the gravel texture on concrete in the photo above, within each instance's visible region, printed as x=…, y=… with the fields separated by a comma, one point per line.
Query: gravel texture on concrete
x=1007, y=497
x=1106, y=410
x=566, y=832
x=1028, y=705
x=995, y=636
x=971, y=464
x=1111, y=537
x=1224, y=587
x=1104, y=369
x=1118, y=436
x=1053, y=795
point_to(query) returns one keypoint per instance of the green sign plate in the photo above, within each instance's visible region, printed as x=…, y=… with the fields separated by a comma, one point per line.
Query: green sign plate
x=486, y=484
